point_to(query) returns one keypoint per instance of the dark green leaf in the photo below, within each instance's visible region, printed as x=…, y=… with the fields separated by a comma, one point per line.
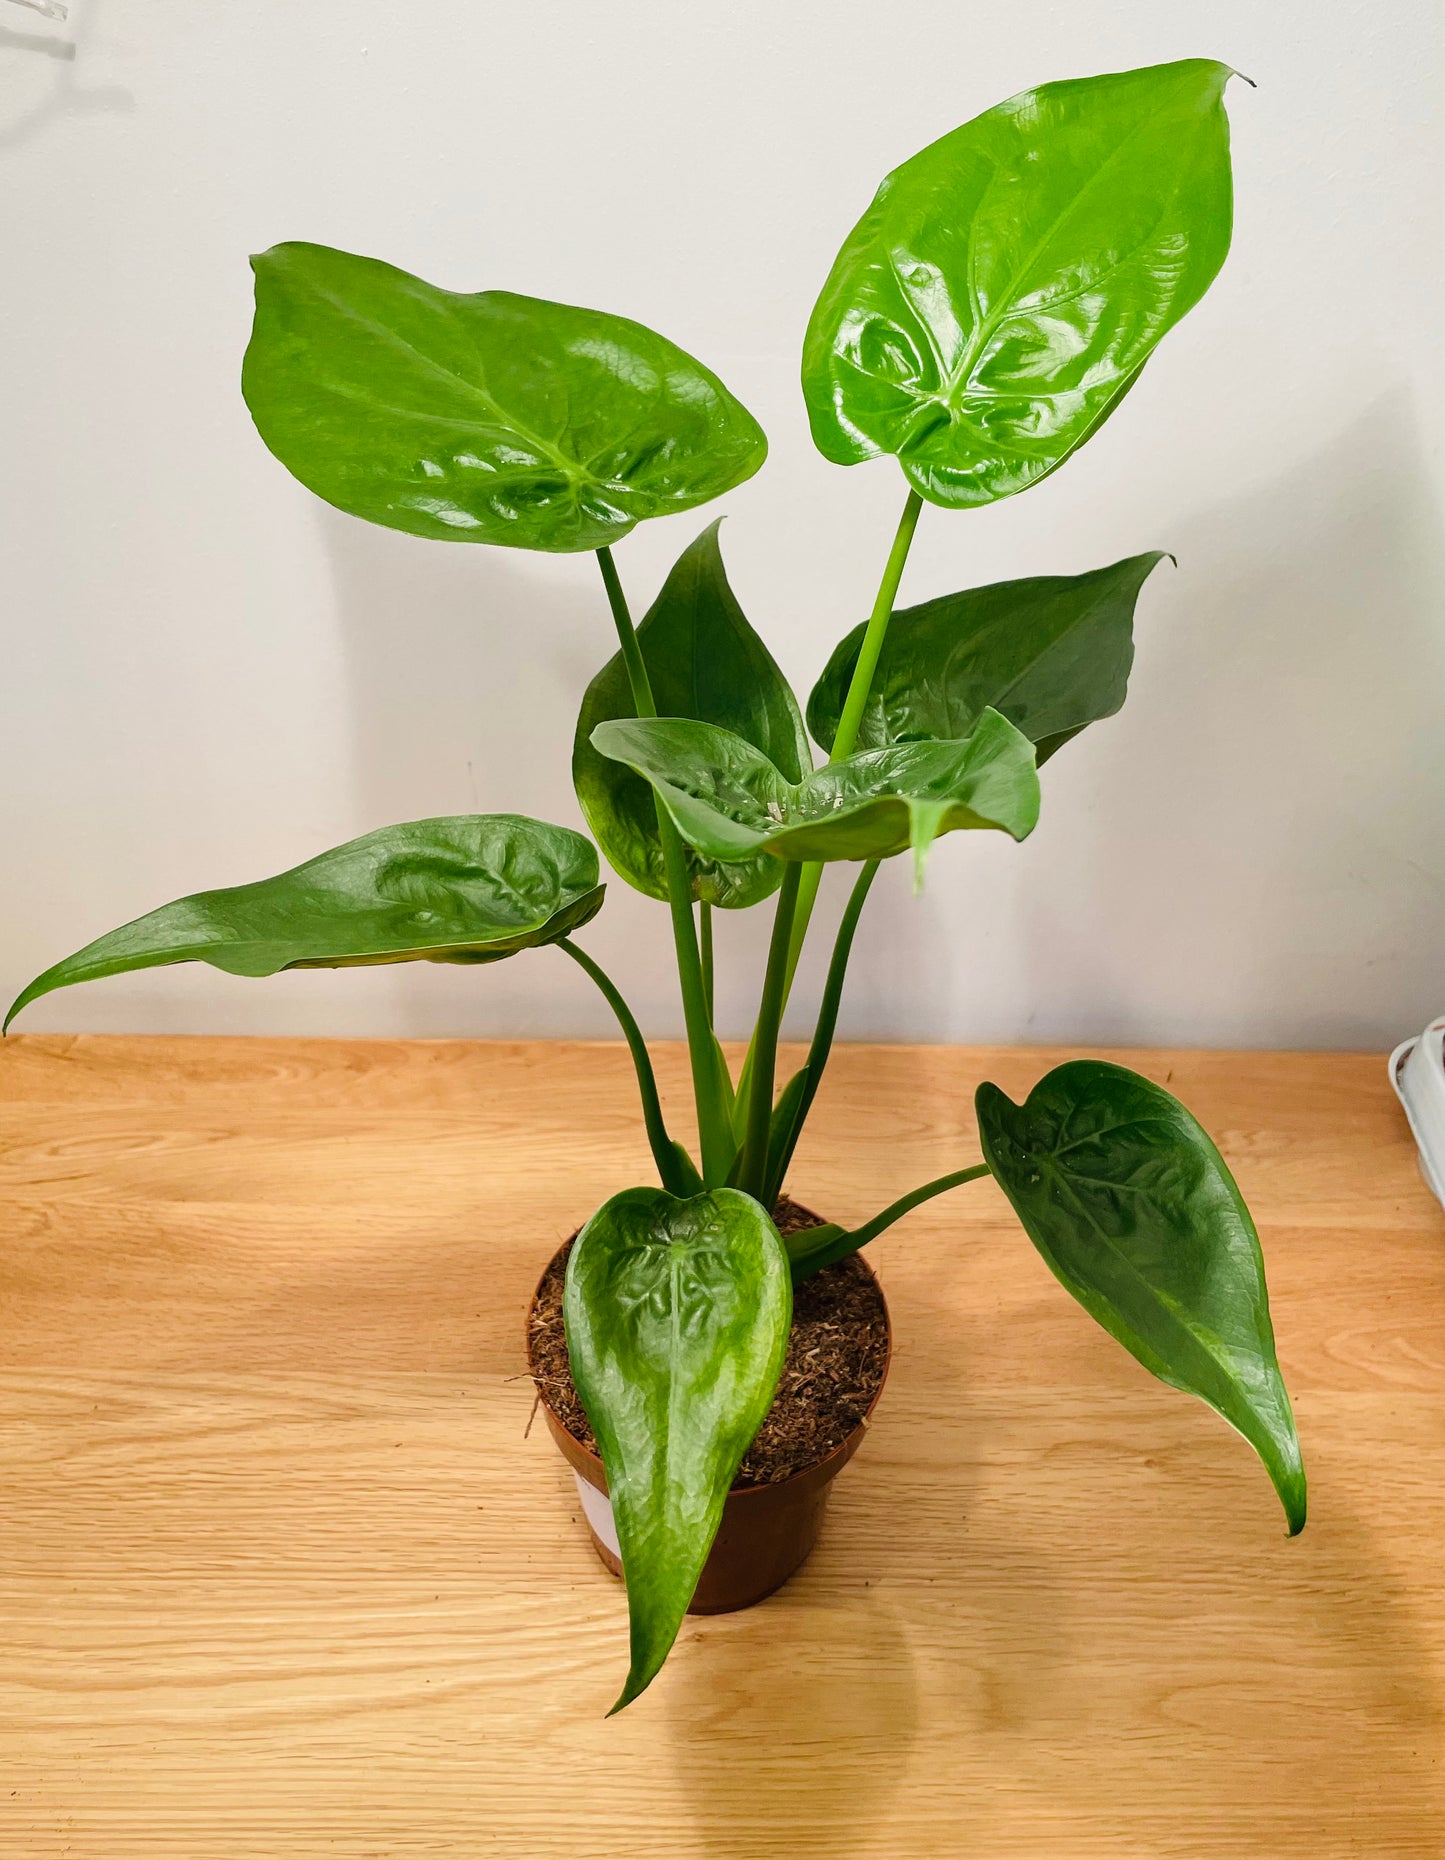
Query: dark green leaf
x=470, y=888
x=730, y=802
x=677, y=1324
x=1137, y=1215
x=1052, y=653
x=1007, y=283
x=481, y=418
x=706, y=663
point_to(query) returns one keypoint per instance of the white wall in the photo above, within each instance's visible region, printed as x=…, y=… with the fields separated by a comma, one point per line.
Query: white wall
x=208, y=675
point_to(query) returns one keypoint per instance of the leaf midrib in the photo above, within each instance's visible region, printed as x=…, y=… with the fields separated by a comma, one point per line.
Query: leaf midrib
x=441, y=372
x=1194, y=1338
x=996, y=318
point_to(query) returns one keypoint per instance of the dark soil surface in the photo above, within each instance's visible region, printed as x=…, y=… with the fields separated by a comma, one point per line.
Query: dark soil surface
x=837, y=1355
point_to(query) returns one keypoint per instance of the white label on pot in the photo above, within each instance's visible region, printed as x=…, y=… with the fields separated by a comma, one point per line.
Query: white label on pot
x=598, y=1508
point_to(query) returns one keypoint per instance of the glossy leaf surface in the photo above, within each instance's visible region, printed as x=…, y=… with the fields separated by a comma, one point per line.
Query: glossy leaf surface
x=1007, y=284
x=705, y=663
x=730, y=802
x=1051, y=653
x=1136, y=1214
x=469, y=888
x=486, y=417
x=677, y=1319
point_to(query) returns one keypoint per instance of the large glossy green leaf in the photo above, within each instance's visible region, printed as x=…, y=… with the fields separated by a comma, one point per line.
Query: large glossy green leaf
x=481, y=418
x=730, y=802
x=677, y=1325
x=706, y=663
x=1137, y=1215
x=1052, y=653
x=1007, y=284
x=469, y=888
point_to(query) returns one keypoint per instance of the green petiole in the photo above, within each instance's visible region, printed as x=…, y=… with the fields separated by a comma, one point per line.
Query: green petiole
x=823, y=1246
x=713, y=1121
x=674, y=1166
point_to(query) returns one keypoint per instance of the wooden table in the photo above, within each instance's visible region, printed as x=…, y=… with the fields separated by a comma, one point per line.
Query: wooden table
x=283, y=1574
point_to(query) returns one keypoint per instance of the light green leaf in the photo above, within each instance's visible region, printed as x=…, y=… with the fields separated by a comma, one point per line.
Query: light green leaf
x=1008, y=283
x=706, y=663
x=486, y=418
x=469, y=888
x=730, y=802
x=1051, y=653
x=1136, y=1214
x=677, y=1318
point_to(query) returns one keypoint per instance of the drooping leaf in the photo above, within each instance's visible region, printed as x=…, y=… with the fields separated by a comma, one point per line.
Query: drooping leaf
x=677, y=1318
x=704, y=662
x=1136, y=1214
x=1008, y=283
x=730, y=802
x=485, y=417
x=1052, y=653
x=468, y=888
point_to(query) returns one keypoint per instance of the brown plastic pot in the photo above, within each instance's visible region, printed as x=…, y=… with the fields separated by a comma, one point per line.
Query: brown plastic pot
x=767, y=1531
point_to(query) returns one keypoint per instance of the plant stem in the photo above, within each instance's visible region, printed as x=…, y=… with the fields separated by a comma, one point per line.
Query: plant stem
x=704, y=913
x=838, y=1245
x=632, y=657
x=765, y=1039
x=714, y=1127
x=849, y=723
x=664, y=1152
x=817, y=1061
x=861, y=683
x=856, y=702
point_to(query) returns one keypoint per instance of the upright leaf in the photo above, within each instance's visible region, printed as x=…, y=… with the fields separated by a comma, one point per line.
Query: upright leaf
x=1051, y=653
x=486, y=418
x=729, y=802
x=705, y=663
x=469, y=888
x=1008, y=283
x=1137, y=1215
x=677, y=1319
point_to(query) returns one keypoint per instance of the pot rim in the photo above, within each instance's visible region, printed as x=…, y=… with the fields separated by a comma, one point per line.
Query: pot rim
x=839, y=1455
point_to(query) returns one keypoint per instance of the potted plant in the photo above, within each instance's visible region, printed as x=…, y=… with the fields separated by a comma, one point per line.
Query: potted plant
x=990, y=310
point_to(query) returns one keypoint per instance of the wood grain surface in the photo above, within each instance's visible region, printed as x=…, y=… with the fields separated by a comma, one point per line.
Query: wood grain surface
x=283, y=1573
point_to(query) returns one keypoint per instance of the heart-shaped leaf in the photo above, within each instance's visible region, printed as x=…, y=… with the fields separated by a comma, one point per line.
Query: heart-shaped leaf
x=706, y=663
x=677, y=1319
x=730, y=802
x=470, y=888
x=481, y=418
x=1008, y=283
x=1137, y=1215
x=1052, y=653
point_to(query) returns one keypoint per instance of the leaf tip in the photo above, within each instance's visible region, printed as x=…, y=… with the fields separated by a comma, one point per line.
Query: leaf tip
x=639, y=1678
x=22, y=1000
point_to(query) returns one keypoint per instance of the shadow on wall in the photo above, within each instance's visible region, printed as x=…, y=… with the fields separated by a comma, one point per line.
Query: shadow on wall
x=1280, y=841
x=38, y=76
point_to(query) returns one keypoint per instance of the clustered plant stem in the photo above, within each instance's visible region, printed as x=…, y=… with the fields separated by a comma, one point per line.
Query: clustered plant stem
x=709, y=1083
x=765, y=1039
x=736, y=1129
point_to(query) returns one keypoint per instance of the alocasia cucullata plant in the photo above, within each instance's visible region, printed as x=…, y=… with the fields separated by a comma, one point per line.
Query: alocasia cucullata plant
x=988, y=312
